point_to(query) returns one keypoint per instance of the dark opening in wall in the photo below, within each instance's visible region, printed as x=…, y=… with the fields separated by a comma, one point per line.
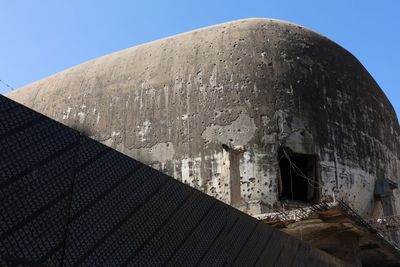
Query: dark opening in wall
x=299, y=179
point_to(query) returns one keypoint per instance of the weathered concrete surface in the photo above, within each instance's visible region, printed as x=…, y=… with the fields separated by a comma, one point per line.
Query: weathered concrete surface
x=251, y=86
x=67, y=200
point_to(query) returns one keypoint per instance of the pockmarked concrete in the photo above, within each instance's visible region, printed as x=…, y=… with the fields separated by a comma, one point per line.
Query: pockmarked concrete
x=214, y=107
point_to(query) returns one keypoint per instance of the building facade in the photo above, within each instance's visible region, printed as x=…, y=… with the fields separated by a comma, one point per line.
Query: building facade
x=262, y=114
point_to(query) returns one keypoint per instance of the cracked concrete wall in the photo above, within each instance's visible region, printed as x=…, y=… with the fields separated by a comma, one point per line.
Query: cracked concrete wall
x=253, y=84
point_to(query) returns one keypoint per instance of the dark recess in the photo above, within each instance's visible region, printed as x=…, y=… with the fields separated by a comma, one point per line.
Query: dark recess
x=298, y=177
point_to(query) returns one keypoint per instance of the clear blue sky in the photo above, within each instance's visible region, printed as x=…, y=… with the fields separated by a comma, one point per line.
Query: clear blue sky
x=41, y=37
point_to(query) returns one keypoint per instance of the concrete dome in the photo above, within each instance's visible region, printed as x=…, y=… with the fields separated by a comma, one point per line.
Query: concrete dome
x=233, y=110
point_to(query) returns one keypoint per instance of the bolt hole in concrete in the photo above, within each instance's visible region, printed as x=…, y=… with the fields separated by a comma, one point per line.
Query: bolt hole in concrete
x=299, y=180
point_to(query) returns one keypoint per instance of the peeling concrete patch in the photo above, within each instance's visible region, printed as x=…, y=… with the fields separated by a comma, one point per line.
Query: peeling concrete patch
x=144, y=129
x=161, y=152
x=66, y=114
x=81, y=116
x=238, y=133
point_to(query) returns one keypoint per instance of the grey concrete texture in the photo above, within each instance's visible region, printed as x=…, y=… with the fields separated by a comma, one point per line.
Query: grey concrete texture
x=184, y=104
x=67, y=200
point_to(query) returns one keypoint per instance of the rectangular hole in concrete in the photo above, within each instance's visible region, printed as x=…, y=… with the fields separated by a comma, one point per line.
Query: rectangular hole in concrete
x=298, y=177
